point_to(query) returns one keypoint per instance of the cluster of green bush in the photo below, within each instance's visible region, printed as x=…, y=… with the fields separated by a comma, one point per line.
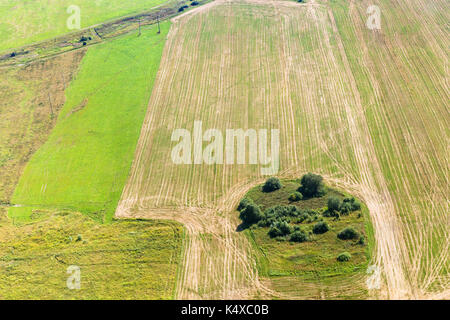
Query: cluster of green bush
x=311, y=186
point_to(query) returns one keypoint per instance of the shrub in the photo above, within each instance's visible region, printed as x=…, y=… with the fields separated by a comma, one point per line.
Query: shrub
x=251, y=214
x=284, y=227
x=312, y=185
x=352, y=204
x=320, y=227
x=356, y=205
x=296, y=196
x=348, y=233
x=194, y=3
x=299, y=236
x=272, y=184
x=244, y=203
x=12, y=55
x=334, y=204
x=344, y=256
x=274, y=232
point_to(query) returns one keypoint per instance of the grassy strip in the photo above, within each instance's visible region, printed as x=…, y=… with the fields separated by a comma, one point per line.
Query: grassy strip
x=85, y=163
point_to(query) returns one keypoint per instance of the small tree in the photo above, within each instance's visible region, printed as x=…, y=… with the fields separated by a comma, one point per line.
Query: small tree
x=320, y=227
x=344, y=256
x=251, y=214
x=272, y=184
x=334, y=204
x=312, y=185
x=296, y=196
x=348, y=233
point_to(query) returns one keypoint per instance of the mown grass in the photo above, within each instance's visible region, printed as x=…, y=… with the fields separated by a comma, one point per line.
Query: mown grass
x=24, y=22
x=85, y=162
x=129, y=259
x=311, y=267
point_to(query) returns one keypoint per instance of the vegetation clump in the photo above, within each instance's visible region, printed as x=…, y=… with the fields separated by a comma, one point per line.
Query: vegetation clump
x=362, y=240
x=348, y=234
x=251, y=214
x=244, y=203
x=280, y=229
x=283, y=220
x=285, y=213
x=272, y=184
x=344, y=257
x=299, y=236
x=334, y=204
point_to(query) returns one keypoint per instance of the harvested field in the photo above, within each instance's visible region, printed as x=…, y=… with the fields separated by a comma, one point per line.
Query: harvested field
x=366, y=109
x=31, y=98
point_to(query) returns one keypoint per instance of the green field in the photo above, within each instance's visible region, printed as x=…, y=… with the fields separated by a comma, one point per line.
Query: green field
x=23, y=22
x=121, y=260
x=310, y=270
x=85, y=162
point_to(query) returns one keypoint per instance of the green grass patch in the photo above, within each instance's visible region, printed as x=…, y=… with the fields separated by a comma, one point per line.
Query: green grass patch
x=85, y=162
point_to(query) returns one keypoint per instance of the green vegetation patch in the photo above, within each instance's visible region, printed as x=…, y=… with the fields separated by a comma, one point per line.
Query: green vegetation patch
x=85, y=163
x=127, y=259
